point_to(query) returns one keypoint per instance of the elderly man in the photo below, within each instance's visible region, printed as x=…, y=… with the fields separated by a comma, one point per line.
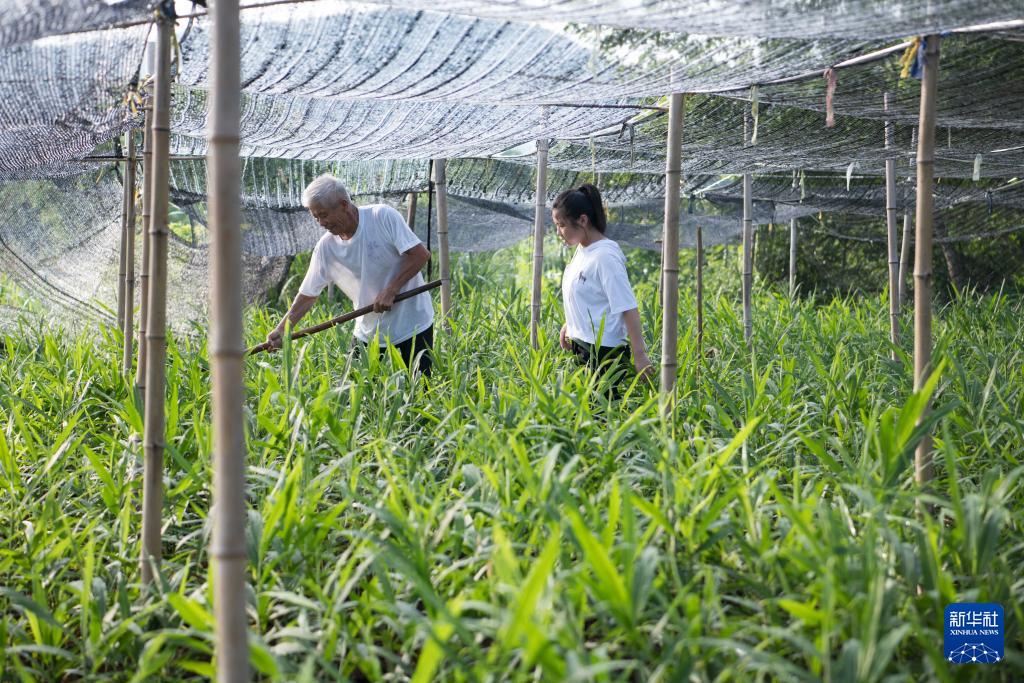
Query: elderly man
x=372, y=255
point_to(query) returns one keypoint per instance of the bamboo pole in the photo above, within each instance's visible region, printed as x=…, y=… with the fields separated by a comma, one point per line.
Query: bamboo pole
x=923, y=246
x=670, y=247
x=128, y=323
x=792, y=257
x=892, y=237
x=700, y=297
x=156, y=334
x=147, y=215
x=539, y=219
x=442, y=239
x=661, y=274
x=748, y=240
x=123, y=254
x=227, y=350
x=904, y=260
x=430, y=213
x=410, y=216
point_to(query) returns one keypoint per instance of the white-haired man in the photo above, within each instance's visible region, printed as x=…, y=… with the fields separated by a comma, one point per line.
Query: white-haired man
x=372, y=255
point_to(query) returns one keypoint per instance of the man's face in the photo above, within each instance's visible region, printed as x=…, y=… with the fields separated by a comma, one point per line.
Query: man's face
x=337, y=220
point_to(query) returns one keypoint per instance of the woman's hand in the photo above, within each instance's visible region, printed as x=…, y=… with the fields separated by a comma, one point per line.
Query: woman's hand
x=563, y=340
x=636, y=342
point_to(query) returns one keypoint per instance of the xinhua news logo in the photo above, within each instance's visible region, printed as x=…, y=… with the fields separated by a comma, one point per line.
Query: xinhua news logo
x=974, y=633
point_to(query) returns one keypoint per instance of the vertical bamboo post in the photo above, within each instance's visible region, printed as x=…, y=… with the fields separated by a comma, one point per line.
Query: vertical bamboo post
x=227, y=349
x=147, y=216
x=904, y=260
x=410, y=216
x=430, y=212
x=892, y=239
x=748, y=244
x=156, y=334
x=700, y=296
x=123, y=253
x=539, y=220
x=444, y=264
x=661, y=276
x=670, y=247
x=923, y=245
x=149, y=63
x=128, y=323
x=792, y=257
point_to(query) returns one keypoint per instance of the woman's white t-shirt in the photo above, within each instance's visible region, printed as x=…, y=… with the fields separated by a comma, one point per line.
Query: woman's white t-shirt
x=595, y=288
x=364, y=265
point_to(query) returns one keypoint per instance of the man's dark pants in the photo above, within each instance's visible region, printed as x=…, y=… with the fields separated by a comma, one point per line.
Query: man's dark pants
x=424, y=341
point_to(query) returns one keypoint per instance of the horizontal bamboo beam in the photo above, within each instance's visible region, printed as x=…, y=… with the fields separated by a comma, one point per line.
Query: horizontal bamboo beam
x=173, y=157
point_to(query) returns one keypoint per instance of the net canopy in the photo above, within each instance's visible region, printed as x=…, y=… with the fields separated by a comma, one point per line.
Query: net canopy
x=62, y=97
x=66, y=253
x=22, y=21
x=372, y=91
x=717, y=132
x=343, y=81
x=421, y=84
x=964, y=211
x=978, y=87
x=278, y=183
x=759, y=18
x=351, y=51
x=310, y=128
x=858, y=194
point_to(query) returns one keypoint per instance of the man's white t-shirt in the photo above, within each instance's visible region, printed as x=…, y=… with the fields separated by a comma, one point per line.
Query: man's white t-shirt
x=595, y=287
x=364, y=265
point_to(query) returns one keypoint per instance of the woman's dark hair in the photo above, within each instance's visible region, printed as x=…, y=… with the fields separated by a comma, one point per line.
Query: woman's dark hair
x=585, y=199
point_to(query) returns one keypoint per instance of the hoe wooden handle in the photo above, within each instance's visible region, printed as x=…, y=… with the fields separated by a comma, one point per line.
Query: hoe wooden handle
x=352, y=315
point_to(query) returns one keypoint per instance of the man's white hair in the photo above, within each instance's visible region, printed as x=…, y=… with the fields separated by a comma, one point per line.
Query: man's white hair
x=326, y=192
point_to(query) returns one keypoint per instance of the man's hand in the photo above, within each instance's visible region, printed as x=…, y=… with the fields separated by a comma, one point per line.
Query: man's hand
x=563, y=340
x=384, y=301
x=275, y=337
x=644, y=368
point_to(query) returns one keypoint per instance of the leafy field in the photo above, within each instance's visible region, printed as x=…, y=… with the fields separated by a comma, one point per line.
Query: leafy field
x=505, y=522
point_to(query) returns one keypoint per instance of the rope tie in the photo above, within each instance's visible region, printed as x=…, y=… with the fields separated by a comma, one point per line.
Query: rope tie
x=830, y=91
x=913, y=59
x=632, y=146
x=754, y=112
x=133, y=100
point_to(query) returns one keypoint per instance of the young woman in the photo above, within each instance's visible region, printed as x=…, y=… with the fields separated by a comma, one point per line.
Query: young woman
x=602, y=323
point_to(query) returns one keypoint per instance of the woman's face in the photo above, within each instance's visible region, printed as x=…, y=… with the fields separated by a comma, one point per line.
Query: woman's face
x=571, y=231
